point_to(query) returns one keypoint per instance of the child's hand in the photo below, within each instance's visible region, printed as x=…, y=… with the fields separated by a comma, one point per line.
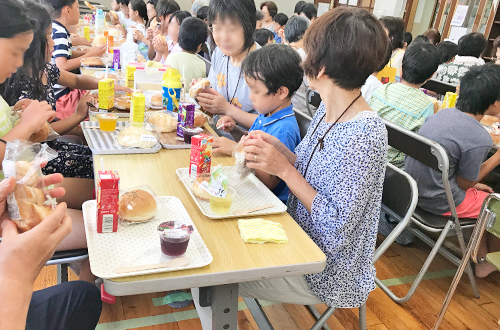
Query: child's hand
x=151, y=33
x=281, y=34
x=79, y=40
x=223, y=145
x=36, y=114
x=228, y=124
x=97, y=51
x=21, y=104
x=120, y=88
x=82, y=107
x=160, y=46
x=114, y=20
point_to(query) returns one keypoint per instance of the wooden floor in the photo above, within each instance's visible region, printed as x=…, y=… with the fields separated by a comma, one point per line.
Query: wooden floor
x=396, y=266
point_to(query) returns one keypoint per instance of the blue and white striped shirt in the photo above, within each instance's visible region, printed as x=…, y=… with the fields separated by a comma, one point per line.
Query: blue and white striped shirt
x=62, y=48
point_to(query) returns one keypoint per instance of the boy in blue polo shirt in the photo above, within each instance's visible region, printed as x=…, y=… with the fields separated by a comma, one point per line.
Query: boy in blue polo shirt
x=273, y=74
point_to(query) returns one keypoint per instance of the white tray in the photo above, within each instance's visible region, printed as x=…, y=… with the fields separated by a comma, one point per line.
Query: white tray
x=250, y=193
x=102, y=143
x=139, y=244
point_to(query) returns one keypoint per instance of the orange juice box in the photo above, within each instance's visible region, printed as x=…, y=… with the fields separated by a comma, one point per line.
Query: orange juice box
x=106, y=94
x=107, y=201
x=201, y=155
x=137, y=108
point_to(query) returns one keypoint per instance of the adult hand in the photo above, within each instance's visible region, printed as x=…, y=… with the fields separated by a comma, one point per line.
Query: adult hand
x=228, y=124
x=213, y=102
x=194, y=82
x=483, y=187
x=263, y=156
x=268, y=138
x=36, y=114
x=223, y=145
x=97, y=51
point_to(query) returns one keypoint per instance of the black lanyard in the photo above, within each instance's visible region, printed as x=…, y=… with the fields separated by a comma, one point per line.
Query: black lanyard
x=227, y=87
x=321, y=139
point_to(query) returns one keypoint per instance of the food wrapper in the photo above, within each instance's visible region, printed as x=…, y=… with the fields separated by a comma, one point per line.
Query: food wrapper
x=202, y=86
x=161, y=122
x=135, y=135
x=123, y=101
x=218, y=185
x=30, y=202
x=240, y=170
x=111, y=75
x=137, y=205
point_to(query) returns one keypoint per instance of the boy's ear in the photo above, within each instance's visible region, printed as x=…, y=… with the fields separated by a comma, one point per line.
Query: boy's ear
x=283, y=92
x=200, y=46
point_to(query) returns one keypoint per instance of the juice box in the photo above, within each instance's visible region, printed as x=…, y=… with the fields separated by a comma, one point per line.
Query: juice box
x=106, y=93
x=185, y=117
x=130, y=72
x=137, y=108
x=201, y=155
x=86, y=33
x=110, y=43
x=449, y=100
x=107, y=201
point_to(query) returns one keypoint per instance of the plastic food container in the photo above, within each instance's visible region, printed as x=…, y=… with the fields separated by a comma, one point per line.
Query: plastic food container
x=222, y=205
x=190, y=132
x=107, y=122
x=174, y=237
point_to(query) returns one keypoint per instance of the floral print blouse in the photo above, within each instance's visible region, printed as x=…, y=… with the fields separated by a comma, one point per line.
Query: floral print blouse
x=348, y=175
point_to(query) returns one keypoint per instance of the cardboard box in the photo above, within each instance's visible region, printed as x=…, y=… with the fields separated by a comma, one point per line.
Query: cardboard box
x=108, y=193
x=201, y=155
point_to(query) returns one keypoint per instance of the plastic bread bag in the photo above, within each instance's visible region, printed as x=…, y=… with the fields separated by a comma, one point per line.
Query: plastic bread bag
x=240, y=170
x=137, y=135
x=161, y=122
x=200, y=119
x=92, y=62
x=202, y=86
x=30, y=203
x=46, y=133
x=137, y=205
x=123, y=101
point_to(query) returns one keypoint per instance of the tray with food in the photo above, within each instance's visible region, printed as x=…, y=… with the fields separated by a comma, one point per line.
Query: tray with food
x=247, y=194
x=146, y=247
x=492, y=125
x=124, y=139
x=121, y=108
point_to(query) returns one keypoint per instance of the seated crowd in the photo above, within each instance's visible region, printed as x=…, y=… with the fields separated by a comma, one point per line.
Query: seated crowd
x=262, y=63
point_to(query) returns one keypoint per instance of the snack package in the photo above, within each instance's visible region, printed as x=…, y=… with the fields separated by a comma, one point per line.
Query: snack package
x=200, y=186
x=162, y=122
x=202, y=86
x=218, y=185
x=108, y=183
x=240, y=170
x=186, y=117
x=201, y=155
x=137, y=205
x=137, y=136
x=30, y=203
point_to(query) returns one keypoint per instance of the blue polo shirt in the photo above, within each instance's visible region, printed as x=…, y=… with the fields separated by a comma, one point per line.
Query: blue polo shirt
x=283, y=126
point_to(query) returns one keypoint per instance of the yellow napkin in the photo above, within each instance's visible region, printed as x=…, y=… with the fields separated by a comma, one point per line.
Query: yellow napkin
x=153, y=64
x=261, y=231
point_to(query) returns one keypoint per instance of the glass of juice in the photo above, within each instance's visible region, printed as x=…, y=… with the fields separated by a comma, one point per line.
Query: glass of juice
x=174, y=237
x=222, y=205
x=107, y=122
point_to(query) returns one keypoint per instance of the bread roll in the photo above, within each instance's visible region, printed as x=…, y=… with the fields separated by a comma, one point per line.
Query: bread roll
x=198, y=192
x=154, y=23
x=495, y=137
x=199, y=87
x=23, y=173
x=137, y=205
x=31, y=215
x=41, y=135
x=122, y=102
x=30, y=194
x=99, y=41
x=199, y=119
x=92, y=62
x=136, y=137
x=160, y=38
x=489, y=120
x=157, y=100
x=88, y=4
x=163, y=121
x=113, y=14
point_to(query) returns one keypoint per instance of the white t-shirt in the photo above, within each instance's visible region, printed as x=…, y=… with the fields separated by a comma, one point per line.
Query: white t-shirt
x=371, y=84
x=126, y=22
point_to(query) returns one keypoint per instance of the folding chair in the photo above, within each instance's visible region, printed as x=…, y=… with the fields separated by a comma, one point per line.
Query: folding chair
x=399, y=199
x=487, y=221
x=304, y=121
x=63, y=258
x=434, y=156
x=314, y=99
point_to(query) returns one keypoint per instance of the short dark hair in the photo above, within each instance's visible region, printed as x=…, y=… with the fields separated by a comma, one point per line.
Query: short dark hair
x=202, y=13
x=276, y=65
x=295, y=28
x=357, y=45
x=422, y=38
x=192, y=33
x=479, y=89
x=420, y=62
x=262, y=36
x=496, y=44
x=166, y=7
x=471, y=44
x=180, y=16
x=152, y=2
x=434, y=36
x=408, y=38
x=259, y=15
x=58, y=5
x=123, y=2
x=298, y=7
x=281, y=19
x=242, y=11
x=310, y=10
x=447, y=51
x=396, y=28
x=271, y=7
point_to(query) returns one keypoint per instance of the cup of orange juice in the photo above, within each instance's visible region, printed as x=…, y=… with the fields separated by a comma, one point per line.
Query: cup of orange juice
x=107, y=122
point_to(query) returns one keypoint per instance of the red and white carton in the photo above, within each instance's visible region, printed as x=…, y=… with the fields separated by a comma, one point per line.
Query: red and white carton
x=107, y=201
x=201, y=155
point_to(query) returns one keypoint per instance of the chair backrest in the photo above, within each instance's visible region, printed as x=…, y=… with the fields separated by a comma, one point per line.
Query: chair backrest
x=313, y=98
x=399, y=199
x=439, y=86
x=208, y=65
x=304, y=121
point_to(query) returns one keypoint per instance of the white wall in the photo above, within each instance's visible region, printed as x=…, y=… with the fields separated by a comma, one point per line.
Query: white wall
x=389, y=8
x=423, y=17
x=284, y=6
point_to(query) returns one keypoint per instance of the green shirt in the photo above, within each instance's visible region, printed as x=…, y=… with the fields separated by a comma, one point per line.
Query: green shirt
x=405, y=106
x=189, y=65
x=5, y=117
